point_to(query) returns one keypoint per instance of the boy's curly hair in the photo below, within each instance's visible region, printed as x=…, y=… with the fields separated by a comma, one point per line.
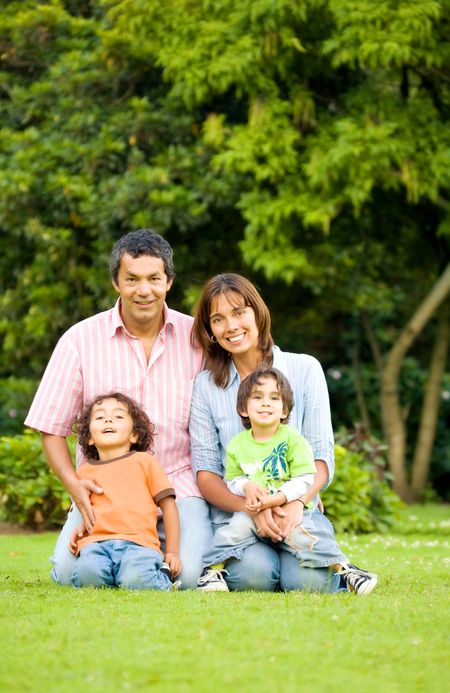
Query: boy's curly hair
x=142, y=425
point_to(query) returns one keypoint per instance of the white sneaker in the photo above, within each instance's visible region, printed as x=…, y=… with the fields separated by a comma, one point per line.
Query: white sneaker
x=358, y=580
x=212, y=580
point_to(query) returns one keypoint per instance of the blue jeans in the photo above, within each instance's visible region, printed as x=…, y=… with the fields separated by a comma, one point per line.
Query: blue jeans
x=313, y=544
x=119, y=563
x=268, y=567
x=195, y=540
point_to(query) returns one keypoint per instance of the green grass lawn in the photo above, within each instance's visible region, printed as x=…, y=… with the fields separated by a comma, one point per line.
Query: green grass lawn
x=397, y=639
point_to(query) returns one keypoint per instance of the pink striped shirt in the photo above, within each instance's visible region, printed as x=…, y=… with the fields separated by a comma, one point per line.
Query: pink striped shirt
x=99, y=355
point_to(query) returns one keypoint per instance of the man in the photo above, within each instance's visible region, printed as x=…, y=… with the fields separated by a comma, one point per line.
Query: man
x=141, y=348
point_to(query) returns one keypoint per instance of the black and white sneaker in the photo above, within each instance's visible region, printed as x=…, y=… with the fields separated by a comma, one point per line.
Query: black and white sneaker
x=176, y=584
x=166, y=570
x=213, y=580
x=360, y=581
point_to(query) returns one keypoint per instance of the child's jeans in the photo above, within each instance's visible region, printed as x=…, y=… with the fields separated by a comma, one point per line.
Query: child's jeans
x=314, y=546
x=119, y=563
x=195, y=538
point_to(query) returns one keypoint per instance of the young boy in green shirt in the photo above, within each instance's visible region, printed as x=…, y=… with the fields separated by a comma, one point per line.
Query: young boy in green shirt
x=271, y=463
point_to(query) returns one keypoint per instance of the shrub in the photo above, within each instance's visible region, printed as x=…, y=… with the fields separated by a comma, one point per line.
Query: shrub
x=15, y=399
x=360, y=499
x=30, y=493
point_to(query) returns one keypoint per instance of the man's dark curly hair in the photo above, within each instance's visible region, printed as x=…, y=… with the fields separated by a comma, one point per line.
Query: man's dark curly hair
x=142, y=425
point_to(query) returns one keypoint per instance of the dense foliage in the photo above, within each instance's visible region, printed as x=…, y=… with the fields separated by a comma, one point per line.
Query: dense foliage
x=360, y=499
x=31, y=495
x=305, y=144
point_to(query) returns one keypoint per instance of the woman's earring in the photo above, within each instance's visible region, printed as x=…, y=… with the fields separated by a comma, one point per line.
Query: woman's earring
x=213, y=339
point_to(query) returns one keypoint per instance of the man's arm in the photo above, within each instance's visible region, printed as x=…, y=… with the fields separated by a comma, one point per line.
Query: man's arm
x=58, y=457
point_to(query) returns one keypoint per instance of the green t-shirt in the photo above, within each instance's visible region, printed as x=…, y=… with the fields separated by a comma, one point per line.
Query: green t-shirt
x=272, y=462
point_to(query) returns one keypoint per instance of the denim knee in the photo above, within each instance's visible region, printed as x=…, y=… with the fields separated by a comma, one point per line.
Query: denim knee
x=64, y=562
x=258, y=570
x=195, y=538
x=293, y=576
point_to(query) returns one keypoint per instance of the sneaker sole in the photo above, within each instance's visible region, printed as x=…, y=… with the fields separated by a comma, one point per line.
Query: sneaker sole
x=368, y=587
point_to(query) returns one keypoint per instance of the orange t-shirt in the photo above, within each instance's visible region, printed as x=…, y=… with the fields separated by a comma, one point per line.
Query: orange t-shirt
x=133, y=485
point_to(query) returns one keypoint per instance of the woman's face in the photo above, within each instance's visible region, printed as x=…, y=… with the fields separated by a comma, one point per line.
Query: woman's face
x=233, y=324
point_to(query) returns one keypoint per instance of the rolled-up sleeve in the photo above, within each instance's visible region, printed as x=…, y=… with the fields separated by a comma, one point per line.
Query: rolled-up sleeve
x=206, y=452
x=58, y=399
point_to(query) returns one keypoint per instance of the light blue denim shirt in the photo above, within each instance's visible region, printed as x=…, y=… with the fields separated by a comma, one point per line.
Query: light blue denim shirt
x=214, y=419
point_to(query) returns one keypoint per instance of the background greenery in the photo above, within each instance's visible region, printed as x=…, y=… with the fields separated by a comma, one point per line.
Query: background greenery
x=304, y=144
x=358, y=500
x=393, y=640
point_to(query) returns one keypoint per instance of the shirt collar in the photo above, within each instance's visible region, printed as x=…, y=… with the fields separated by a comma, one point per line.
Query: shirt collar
x=116, y=319
x=233, y=375
x=278, y=362
x=117, y=322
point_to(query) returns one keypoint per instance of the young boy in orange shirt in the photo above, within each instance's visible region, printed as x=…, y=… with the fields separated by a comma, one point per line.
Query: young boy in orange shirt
x=123, y=549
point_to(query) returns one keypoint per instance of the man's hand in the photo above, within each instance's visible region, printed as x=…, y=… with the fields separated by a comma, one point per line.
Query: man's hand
x=254, y=496
x=173, y=561
x=80, y=492
x=267, y=525
x=76, y=535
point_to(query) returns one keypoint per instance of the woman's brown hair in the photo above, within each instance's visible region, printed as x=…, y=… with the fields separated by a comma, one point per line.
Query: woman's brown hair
x=142, y=426
x=218, y=359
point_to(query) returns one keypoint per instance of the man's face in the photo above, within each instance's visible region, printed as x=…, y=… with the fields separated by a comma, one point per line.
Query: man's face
x=143, y=285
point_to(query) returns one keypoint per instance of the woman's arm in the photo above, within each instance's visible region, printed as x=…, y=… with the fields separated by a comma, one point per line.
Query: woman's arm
x=311, y=388
x=320, y=480
x=293, y=511
x=216, y=492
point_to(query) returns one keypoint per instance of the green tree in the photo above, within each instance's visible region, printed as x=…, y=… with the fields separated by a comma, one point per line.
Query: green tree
x=311, y=135
x=347, y=105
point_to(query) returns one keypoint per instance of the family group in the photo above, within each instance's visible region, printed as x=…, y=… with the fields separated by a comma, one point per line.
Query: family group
x=202, y=447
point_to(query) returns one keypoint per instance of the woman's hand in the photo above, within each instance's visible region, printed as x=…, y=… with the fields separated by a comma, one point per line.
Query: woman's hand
x=266, y=524
x=292, y=516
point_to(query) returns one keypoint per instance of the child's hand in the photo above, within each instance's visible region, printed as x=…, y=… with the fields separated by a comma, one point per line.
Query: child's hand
x=76, y=535
x=173, y=561
x=254, y=496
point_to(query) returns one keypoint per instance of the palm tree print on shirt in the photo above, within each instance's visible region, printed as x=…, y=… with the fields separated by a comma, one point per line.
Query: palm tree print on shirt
x=275, y=466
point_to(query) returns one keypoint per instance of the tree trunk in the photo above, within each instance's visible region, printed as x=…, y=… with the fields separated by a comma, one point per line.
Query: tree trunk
x=373, y=341
x=356, y=366
x=393, y=423
x=430, y=410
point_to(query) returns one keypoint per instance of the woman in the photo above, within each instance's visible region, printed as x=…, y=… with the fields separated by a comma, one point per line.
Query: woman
x=232, y=326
